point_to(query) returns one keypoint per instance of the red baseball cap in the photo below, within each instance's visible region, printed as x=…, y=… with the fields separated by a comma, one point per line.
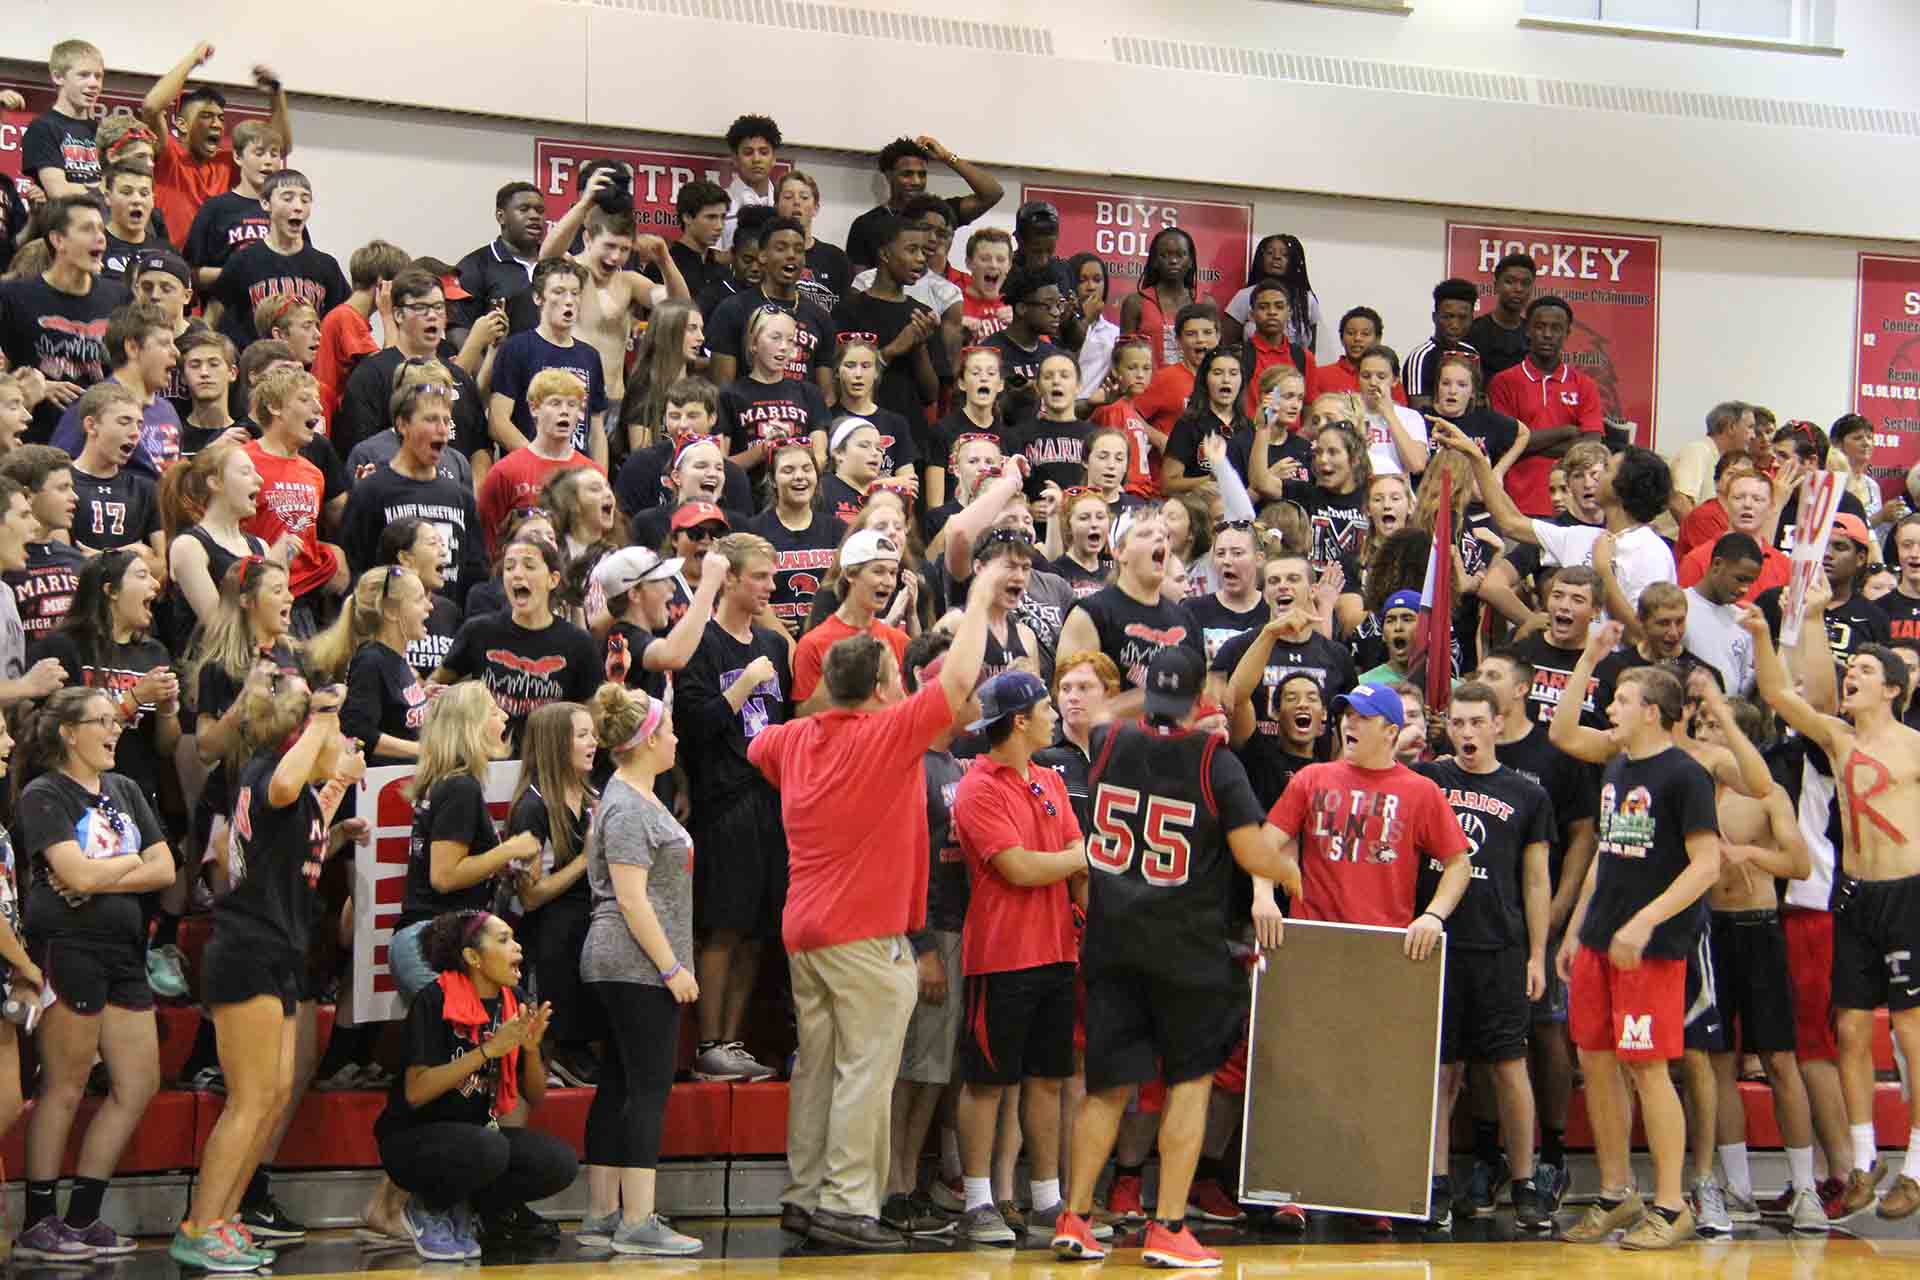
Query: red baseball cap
x=697, y=513
x=451, y=288
x=1849, y=525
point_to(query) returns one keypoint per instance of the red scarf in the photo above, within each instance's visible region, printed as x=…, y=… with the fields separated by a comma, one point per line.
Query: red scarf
x=461, y=1006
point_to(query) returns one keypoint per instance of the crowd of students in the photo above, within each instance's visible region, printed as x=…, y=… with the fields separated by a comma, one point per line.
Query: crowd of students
x=797, y=556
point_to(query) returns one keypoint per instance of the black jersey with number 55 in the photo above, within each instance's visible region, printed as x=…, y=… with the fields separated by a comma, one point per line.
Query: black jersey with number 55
x=1163, y=802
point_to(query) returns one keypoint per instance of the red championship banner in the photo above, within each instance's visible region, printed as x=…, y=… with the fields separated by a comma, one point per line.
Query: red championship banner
x=657, y=177
x=1886, y=363
x=13, y=132
x=1613, y=285
x=1119, y=225
x=13, y=124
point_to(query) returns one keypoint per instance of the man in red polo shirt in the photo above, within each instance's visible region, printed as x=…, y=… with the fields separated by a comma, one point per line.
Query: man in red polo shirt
x=869, y=572
x=853, y=798
x=1268, y=344
x=1558, y=403
x=195, y=166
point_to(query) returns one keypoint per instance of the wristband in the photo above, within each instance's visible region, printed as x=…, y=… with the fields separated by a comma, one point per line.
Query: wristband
x=484, y=1055
x=668, y=975
x=1436, y=915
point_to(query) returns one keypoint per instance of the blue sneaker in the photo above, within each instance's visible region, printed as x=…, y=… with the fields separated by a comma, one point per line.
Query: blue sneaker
x=210, y=1251
x=461, y=1216
x=433, y=1234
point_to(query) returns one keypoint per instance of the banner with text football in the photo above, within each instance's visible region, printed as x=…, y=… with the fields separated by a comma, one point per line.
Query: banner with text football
x=13, y=124
x=657, y=177
x=1886, y=363
x=1613, y=285
x=1119, y=225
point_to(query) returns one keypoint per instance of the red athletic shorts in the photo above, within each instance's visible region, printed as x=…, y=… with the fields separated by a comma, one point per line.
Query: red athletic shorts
x=1810, y=965
x=1231, y=1077
x=1638, y=1015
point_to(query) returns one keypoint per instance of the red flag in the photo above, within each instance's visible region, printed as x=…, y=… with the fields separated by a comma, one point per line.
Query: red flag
x=1435, y=639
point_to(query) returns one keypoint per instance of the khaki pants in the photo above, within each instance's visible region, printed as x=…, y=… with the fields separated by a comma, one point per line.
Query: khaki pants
x=852, y=1003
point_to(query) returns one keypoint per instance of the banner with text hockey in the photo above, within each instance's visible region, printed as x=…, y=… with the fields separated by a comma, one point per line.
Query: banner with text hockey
x=1613, y=284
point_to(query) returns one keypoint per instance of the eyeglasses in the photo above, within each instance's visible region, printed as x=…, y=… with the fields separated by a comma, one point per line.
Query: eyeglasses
x=1041, y=796
x=110, y=722
x=425, y=308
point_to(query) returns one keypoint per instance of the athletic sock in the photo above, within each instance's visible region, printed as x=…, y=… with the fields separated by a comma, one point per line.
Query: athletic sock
x=1865, y=1150
x=949, y=1153
x=979, y=1191
x=1912, y=1167
x=1800, y=1168
x=1045, y=1193
x=1733, y=1160
x=1553, y=1147
x=1486, y=1141
x=42, y=1200
x=83, y=1206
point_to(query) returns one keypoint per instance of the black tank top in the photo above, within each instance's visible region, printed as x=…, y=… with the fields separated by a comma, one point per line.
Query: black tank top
x=178, y=624
x=1131, y=633
x=999, y=657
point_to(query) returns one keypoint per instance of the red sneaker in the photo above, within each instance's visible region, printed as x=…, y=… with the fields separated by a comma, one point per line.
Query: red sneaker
x=1208, y=1201
x=1832, y=1191
x=1175, y=1247
x=1073, y=1239
x=1290, y=1217
x=1123, y=1199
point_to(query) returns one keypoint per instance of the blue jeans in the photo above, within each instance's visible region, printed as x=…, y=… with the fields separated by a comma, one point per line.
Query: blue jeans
x=411, y=972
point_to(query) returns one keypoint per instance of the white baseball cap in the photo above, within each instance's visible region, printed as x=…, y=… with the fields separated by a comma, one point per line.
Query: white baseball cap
x=622, y=570
x=868, y=544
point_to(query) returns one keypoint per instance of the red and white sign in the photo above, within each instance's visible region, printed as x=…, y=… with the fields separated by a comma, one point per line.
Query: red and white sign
x=657, y=177
x=1119, y=225
x=1613, y=285
x=1819, y=503
x=380, y=880
x=1886, y=363
x=13, y=124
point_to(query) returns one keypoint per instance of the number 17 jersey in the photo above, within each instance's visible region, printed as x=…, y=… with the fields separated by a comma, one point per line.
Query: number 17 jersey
x=1160, y=872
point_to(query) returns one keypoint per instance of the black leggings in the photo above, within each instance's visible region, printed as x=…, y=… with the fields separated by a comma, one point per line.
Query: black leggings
x=492, y=1169
x=630, y=1106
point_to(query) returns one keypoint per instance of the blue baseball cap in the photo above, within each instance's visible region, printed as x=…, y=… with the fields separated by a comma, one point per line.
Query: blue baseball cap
x=1373, y=700
x=1006, y=694
x=1400, y=600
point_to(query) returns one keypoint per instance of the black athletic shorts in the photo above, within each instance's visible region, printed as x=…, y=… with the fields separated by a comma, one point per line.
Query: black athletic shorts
x=1019, y=1024
x=1486, y=1014
x=1551, y=1007
x=232, y=972
x=1144, y=1025
x=1706, y=1028
x=740, y=865
x=88, y=973
x=1756, y=992
x=1876, y=935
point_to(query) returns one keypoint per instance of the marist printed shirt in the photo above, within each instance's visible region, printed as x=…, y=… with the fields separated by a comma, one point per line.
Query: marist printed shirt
x=290, y=496
x=1363, y=836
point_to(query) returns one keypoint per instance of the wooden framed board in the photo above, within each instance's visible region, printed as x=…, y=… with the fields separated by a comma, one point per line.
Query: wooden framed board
x=1343, y=1061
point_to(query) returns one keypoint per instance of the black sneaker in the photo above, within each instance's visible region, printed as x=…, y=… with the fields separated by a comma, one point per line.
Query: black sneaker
x=1483, y=1186
x=1551, y=1181
x=522, y=1223
x=915, y=1215
x=1527, y=1212
x=268, y=1221
x=1440, y=1218
x=577, y=1068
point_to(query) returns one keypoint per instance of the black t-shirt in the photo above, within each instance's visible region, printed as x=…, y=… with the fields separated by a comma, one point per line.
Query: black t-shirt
x=876, y=320
x=44, y=589
x=114, y=512
x=366, y=404
x=63, y=335
x=697, y=270
x=443, y=623
x=752, y=412
x=813, y=344
x=1338, y=520
x=941, y=437
x=947, y=885
x=1131, y=633
x=1016, y=361
x=1551, y=667
x=525, y=670
x=826, y=275
x=277, y=856
x=863, y=237
x=455, y=810
x=1855, y=622
x=1190, y=433
x=56, y=140
x=379, y=499
x=627, y=644
x=1574, y=786
x=643, y=479
x=1500, y=348
x=801, y=559
x=1163, y=803
x=1903, y=615
x=1055, y=451
x=1790, y=515
x=1648, y=808
x=384, y=698
x=1218, y=624
x=530, y=814
x=1496, y=432
x=1281, y=444
x=1330, y=665
x=840, y=499
x=117, y=670
x=432, y=1041
x=257, y=272
x=1501, y=813
x=223, y=225
x=1083, y=581
x=716, y=735
x=54, y=809
x=1473, y=556
x=121, y=252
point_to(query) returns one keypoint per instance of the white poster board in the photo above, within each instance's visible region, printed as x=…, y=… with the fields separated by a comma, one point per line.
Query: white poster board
x=380, y=881
x=1819, y=503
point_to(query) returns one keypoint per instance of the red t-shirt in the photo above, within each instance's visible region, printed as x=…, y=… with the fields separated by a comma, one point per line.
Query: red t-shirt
x=1141, y=481
x=1264, y=358
x=1775, y=569
x=1363, y=836
x=1165, y=399
x=345, y=339
x=1564, y=398
x=515, y=481
x=981, y=318
x=1010, y=927
x=291, y=491
x=181, y=184
x=1704, y=524
x=853, y=794
x=1343, y=375
x=810, y=655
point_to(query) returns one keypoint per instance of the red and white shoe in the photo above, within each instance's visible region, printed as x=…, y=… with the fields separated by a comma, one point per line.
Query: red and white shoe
x=1073, y=1239
x=1208, y=1201
x=1123, y=1199
x=1167, y=1247
x=1290, y=1217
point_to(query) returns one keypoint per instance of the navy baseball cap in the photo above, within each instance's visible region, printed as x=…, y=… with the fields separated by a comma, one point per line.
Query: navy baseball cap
x=1174, y=677
x=1006, y=694
x=1373, y=700
x=1400, y=600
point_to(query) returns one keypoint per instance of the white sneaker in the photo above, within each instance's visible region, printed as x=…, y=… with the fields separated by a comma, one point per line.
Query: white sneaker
x=1808, y=1214
x=1742, y=1208
x=730, y=1061
x=1710, y=1209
